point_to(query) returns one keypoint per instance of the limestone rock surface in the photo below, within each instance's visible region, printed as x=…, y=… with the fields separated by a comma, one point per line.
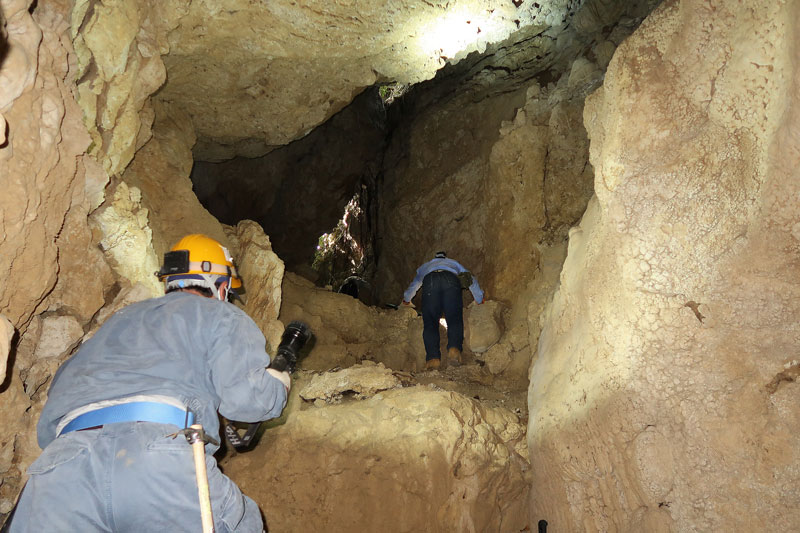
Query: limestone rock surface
x=666, y=358
x=483, y=327
x=262, y=273
x=48, y=183
x=160, y=170
x=47, y=342
x=19, y=448
x=539, y=179
x=410, y=459
x=59, y=334
x=292, y=65
x=6, y=333
x=364, y=380
x=127, y=238
x=346, y=331
x=84, y=275
x=497, y=358
x=52, y=267
x=119, y=46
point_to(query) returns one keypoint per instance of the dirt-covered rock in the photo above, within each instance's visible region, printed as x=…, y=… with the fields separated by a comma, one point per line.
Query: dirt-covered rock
x=412, y=459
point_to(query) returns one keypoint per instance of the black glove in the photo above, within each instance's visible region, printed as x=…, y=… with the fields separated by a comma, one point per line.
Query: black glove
x=294, y=338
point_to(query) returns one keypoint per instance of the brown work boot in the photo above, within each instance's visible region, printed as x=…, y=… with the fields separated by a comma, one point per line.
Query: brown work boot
x=454, y=356
x=432, y=364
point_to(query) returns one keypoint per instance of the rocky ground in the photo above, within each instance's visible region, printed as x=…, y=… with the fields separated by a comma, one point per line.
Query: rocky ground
x=384, y=450
x=471, y=380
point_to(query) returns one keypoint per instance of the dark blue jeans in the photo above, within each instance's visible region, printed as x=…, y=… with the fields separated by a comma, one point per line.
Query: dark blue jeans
x=441, y=293
x=129, y=476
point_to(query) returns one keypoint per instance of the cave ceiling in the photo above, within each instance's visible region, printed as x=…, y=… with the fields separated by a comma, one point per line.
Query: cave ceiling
x=254, y=75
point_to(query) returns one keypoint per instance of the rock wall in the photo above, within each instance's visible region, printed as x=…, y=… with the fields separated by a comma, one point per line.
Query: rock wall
x=118, y=48
x=55, y=277
x=433, y=196
x=49, y=184
x=664, y=395
x=59, y=284
x=497, y=183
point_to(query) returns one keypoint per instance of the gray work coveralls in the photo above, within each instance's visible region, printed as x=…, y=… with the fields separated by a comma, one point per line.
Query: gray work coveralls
x=131, y=476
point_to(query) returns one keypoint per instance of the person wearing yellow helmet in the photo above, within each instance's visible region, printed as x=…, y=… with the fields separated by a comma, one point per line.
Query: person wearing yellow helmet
x=200, y=262
x=110, y=461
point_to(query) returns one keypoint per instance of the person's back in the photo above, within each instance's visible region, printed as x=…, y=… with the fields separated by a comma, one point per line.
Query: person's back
x=198, y=350
x=441, y=294
x=113, y=458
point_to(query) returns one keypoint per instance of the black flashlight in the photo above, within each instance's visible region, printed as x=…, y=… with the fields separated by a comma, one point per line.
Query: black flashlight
x=293, y=339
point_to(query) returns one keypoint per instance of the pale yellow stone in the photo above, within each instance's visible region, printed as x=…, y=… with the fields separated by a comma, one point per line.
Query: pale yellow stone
x=364, y=380
x=411, y=459
x=127, y=238
x=6, y=332
x=261, y=271
x=662, y=357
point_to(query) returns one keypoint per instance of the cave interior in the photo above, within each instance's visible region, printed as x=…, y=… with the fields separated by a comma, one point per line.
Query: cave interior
x=620, y=177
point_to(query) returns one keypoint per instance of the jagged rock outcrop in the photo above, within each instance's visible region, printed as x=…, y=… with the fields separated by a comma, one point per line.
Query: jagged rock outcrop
x=664, y=395
x=48, y=254
x=363, y=380
x=127, y=237
x=262, y=273
x=119, y=45
x=6, y=333
x=412, y=459
x=49, y=184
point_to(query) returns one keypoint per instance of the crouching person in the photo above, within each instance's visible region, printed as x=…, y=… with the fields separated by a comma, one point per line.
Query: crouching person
x=111, y=461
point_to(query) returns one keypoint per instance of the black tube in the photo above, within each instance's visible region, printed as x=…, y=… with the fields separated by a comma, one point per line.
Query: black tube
x=294, y=338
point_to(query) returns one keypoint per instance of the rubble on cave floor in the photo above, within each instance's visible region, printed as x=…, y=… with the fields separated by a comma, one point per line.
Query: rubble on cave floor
x=368, y=378
x=424, y=454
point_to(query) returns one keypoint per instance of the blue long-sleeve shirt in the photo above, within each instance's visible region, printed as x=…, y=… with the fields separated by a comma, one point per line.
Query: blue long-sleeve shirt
x=205, y=353
x=441, y=263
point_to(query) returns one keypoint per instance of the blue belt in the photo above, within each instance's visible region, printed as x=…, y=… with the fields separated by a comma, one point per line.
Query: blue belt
x=160, y=413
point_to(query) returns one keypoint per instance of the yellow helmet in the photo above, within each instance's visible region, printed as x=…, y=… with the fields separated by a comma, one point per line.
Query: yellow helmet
x=198, y=257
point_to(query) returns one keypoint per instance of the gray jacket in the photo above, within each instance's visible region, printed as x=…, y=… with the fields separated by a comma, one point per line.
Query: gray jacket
x=205, y=353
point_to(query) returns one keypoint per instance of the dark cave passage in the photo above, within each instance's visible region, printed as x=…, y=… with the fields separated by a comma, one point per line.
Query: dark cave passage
x=299, y=192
